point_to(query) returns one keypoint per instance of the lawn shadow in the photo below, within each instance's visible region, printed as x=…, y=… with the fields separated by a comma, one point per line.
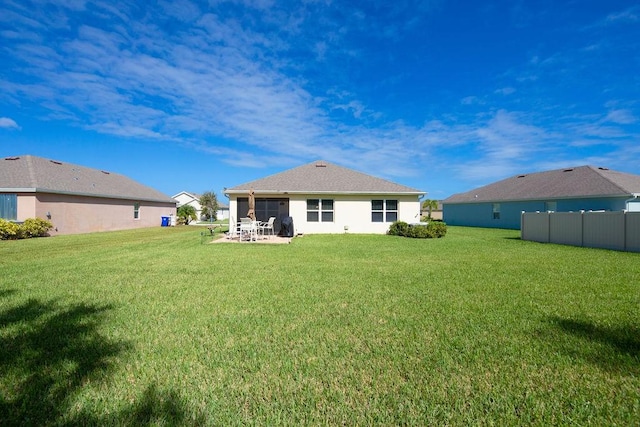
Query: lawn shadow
x=47, y=352
x=6, y=292
x=622, y=341
x=50, y=351
x=153, y=408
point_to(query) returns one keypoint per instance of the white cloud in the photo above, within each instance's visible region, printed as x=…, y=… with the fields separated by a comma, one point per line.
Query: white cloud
x=629, y=15
x=8, y=123
x=505, y=91
x=623, y=117
x=471, y=100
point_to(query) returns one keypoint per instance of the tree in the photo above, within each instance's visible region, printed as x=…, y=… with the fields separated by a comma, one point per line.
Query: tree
x=186, y=214
x=209, y=204
x=429, y=205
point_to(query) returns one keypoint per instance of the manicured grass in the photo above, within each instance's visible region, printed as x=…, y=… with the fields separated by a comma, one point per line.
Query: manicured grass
x=153, y=326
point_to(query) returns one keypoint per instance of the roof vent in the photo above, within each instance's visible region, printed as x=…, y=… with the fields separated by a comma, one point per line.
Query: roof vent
x=11, y=158
x=568, y=170
x=321, y=165
x=604, y=169
x=55, y=162
x=521, y=176
x=106, y=173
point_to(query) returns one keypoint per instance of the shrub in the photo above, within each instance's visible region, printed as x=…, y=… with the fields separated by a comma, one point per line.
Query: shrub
x=419, y=232
x=35, y=227
x=438, y=228
x=398, y=228
x=32, y=227
x=9, y=230
x=433, y=230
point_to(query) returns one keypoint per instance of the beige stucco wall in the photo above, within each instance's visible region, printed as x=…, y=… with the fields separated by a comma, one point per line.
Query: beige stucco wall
x=26, y=206
x=352, y=211
x=434, y=214
x=80, y=214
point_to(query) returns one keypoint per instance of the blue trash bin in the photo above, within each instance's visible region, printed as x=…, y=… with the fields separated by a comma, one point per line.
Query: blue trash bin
x=165, y=221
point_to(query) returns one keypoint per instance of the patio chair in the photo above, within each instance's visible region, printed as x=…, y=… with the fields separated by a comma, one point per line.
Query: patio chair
x=248, y=229
x=234, y=229
x=265, y=226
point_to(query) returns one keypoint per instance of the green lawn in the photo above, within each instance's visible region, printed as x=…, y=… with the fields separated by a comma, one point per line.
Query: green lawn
x=153, y=326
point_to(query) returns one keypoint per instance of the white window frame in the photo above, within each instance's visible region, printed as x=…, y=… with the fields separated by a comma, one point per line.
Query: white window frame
x=387, y=213
x=323, y=210
x=495, y=210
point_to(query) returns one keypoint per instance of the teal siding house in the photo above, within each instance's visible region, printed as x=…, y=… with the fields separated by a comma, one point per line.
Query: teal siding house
x=500, y=205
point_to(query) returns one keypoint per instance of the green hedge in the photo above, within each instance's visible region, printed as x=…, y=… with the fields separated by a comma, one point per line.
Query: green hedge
x=31, y=227
x=433, y=230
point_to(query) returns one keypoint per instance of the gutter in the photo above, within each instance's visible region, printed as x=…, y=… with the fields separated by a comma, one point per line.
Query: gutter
x=634, y=197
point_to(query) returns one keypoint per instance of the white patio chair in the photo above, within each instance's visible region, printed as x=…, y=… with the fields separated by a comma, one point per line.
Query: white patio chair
x=265, y=226
x=248, y=229
x=234, y=229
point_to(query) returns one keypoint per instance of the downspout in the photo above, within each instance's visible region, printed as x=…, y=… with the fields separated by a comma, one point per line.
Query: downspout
x=419, y=215
x=634, y=197
x=224, y=191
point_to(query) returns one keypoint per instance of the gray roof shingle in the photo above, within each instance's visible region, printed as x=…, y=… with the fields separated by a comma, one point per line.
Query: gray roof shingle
x=582, y=181
x=323, y=177
x=31, y=173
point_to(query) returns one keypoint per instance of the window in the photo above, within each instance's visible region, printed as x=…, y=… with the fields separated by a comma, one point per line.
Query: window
x=266, y=208
x=319, y=210
x=9, y=206
x=496, y=211
x=136, y=211
x=384, y=210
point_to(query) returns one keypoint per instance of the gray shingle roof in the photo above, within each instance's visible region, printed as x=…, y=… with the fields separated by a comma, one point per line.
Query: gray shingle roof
x=31, y=173
x=582, y=181
x=323, y=177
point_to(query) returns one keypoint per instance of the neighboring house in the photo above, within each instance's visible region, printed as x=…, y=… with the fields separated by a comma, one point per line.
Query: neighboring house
x=185, y=198
x=563, y=190
x=77, y=199
x=189, y=199
x=321, y=197
x=222, y=212
x=435, y=213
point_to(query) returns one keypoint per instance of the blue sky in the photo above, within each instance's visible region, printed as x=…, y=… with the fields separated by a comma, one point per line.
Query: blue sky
x=442, y=96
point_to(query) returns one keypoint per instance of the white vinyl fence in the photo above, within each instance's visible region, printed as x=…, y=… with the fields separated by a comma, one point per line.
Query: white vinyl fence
x=608, y=230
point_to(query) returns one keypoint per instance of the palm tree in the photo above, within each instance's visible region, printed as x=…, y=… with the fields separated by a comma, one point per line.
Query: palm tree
x=187, y=213
x=429, y=204
x=209, y=205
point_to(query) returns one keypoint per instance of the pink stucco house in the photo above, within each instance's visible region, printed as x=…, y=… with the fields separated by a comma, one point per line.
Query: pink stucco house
x=77, y=199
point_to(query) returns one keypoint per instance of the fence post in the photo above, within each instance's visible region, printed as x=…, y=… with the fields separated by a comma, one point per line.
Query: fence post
x=582, y=228
x=624, y=228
